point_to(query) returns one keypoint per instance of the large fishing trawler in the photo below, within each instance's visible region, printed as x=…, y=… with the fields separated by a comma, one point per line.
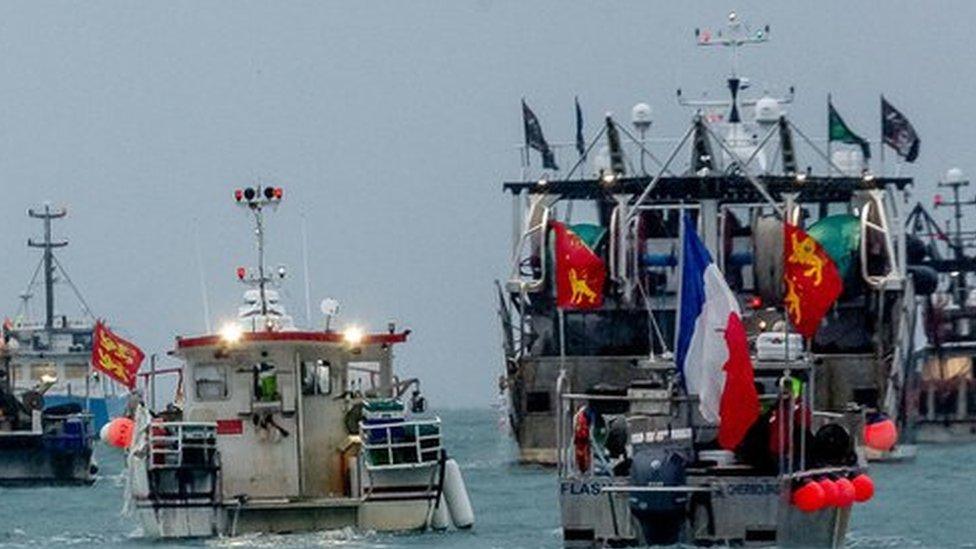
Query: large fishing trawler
x=282, y=429
x=58, y=347
x=640, y=463
x=942, y=403
x=745, y=159
x=51, y=400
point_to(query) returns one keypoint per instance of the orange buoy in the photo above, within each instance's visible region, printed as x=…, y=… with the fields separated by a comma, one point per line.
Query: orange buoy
x=809, y=497
x=881, y=435
x=845, y=492
x=863, y=488
x=830, y=491
x=118, y=432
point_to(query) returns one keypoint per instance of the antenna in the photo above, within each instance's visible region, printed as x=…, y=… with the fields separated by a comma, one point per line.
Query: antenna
x=203, y=279
x=308, y=303
x=47, y=214
x=738, y=34
x=256, y=199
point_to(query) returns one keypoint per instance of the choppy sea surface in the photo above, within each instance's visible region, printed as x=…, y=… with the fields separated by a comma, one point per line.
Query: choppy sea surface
x=930, y=502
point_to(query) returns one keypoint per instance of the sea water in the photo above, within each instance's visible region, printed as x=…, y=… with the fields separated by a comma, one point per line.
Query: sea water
x=926, y=503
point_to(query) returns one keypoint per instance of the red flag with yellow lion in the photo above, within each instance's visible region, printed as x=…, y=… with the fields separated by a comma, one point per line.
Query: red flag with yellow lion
x=580, y=273
x=117, y=358
x=811, y=278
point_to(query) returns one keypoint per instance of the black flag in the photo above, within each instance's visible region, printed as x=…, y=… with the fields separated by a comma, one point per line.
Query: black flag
x=580, y=143
x=616, y=151
x=534, y=138
x=898, y=132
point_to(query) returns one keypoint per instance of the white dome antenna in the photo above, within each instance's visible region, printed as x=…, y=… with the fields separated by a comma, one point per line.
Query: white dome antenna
x=640, y=117
x=329, y=308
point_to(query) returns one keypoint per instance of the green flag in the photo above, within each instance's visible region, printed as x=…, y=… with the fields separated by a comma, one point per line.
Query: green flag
x=840, y=236
x=837, y=130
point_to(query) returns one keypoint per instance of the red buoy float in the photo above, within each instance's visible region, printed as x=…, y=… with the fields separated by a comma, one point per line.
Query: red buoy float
x=830, y=491
x=809, y=497
x=845, y=492
x=581, y=439
x=118, y=432
x=881, y=434
x=863, y=488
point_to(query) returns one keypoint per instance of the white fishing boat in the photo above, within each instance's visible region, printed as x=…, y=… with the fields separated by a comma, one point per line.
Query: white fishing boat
x=283, y=429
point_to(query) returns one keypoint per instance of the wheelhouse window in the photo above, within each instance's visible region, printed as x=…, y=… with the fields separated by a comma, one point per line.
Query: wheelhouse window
x=316, y=378
x=363, y=376
x=41, y=370
x=210, y=381
x=265, y=382
x=75, y=371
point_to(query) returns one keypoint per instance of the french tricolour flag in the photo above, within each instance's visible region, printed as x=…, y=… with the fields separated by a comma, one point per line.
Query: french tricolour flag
x=713, y=353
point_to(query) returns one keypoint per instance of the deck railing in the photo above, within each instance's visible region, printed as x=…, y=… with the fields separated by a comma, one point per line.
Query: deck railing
x=179, y=443
x=401, y=444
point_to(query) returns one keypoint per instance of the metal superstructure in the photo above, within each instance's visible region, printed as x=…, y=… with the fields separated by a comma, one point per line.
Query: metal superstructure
x=740, y=166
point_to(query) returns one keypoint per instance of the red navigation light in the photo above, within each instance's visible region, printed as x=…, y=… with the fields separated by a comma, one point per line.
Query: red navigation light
x=238, y=194
x=755, y=302
x=278, y=192
x=937, y=200
x=241, y=271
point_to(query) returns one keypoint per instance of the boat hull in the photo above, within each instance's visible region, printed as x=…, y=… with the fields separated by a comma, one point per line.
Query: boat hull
x=739, y=510
x=202, y=519
x=25, y=460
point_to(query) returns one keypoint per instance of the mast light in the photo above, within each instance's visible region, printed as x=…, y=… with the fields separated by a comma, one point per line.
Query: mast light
x=231, y=333
x=353, y=335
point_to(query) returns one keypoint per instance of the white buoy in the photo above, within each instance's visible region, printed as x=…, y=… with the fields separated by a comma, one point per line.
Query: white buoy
x=456, y=496
x=103, y=433
x=441, y=519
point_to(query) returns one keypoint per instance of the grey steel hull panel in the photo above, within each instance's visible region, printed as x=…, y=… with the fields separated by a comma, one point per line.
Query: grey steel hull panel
x=534, y=425
x=24, y=461
x=753, y=511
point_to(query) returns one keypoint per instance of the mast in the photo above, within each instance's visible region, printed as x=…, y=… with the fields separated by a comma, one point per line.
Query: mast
x=737, y=34
x=256, y=199
x=47, y=214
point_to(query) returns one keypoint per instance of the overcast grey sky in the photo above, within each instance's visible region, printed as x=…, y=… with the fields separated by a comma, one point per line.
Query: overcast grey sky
x=390, y=125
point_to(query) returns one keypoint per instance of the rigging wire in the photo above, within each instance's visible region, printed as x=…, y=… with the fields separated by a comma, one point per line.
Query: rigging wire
x=84, y=305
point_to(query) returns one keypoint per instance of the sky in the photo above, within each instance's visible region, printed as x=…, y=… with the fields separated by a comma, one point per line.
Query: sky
x=390, y=126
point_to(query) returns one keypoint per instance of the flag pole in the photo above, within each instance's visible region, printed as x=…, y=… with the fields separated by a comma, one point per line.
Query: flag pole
x=681, y=276
x=881, y=143
x=560, y=381
x=830, y=164
x=787, y=371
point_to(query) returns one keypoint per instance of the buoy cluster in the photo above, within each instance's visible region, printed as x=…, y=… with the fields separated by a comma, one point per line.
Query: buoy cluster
x=833, y=491
x=118, y=432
